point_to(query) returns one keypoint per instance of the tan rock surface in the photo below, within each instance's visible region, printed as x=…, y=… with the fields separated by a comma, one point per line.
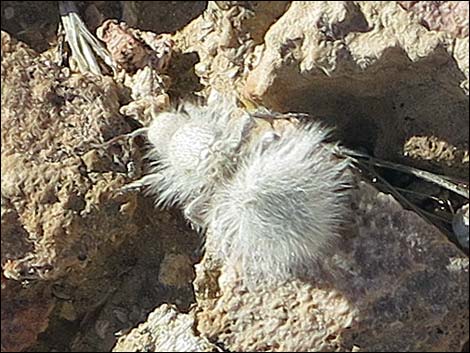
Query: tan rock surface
x=390, y=76
x=394, y=283
x=166, y=330
x=74, y=247
x=59, y=200
x=50, y=120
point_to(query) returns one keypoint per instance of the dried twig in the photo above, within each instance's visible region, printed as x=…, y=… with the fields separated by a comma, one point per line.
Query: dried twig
x=82, y=42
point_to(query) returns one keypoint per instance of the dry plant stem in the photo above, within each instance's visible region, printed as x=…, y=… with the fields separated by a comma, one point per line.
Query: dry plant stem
x=428, y=176
x=131, y=135
x=407, y=203
x=83, y=44
x=445, y=216
x=422, y=194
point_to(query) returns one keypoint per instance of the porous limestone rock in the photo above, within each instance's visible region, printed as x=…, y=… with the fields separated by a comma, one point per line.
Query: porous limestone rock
x=59, y=187
x=166, y=330
x=142, y=58
x=393, y=283
x=225, y=37
x=57, y=180
x=25, y=313
x=387, y=81
x=372, y=69
x=447, y=16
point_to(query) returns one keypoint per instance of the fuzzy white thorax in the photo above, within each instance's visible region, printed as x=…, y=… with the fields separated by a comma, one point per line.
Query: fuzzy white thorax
x=194, y=149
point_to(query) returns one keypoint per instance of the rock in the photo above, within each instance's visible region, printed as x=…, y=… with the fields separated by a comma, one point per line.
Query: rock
x=142, y=58
x=166, y=330
x=63, y=213
x=389, y=74
x=50, y=118
x=460, y=225
x=435, y=150
x=447, y=16
x=25, y=313
x=394, y=283
x=175, y=270
x=148, y=92
x=225, y=37
x=132, y=49
x=372, y=70
x=168, y=16
x=56, y=214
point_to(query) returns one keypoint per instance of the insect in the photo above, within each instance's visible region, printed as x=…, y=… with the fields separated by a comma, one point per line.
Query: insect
x=271, y=201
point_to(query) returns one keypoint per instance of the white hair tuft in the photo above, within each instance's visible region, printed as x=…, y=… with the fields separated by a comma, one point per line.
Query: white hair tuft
x=284, y=206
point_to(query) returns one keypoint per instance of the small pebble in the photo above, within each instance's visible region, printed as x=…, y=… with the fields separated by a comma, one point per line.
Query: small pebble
x=460, y=225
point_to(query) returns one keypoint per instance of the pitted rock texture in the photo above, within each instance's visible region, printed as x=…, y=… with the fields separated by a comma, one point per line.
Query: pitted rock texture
x=390, y=76
x=59, y=200
x=74, y=246
x=372, y=69
x=51, y=120
x=448, y=16
x=166, y=330
x=394, y=283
